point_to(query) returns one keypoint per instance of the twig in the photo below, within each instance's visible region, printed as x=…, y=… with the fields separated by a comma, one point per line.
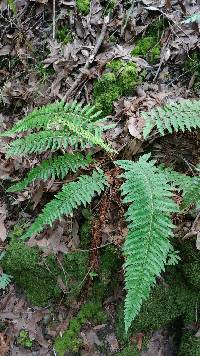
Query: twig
x=90, y=59
x=128, y=16
x=54, y=19
x=192, y=231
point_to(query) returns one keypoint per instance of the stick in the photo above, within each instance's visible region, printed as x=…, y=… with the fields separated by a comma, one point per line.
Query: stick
x=90, y=59
x=54, y=19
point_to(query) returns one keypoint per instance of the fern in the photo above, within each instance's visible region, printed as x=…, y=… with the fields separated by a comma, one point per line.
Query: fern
x=190, y=186
x=60, y=125
x=147, y=246
x=5, y=280
x=193, y=18
x=55, y=167
x=175, y=116
x=69, y=198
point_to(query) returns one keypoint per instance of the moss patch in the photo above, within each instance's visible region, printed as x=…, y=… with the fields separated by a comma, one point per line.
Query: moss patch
x=190, y=345
x=38, y=276
x=165, y=304
x=121, y=79
x=129, y=350
x=190, y=262
x=83, y=6
x=70, y=341
x=24, y=339
x=149, y=46
x=64, y=35
x=92, y=310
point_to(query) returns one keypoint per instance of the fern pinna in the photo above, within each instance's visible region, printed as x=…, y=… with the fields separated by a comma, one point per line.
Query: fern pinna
x=147, y=246
x=58, y=126
x=54, y=167
x=172, y=117
x=65, y=202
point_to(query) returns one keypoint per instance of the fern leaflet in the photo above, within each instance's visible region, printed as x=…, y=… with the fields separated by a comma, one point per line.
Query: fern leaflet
x=193, y=18
x=55, y=167
x=175, y=116
x=69, y=198
x=60, y=125
x=190, y=186
x=5, y=280
x=147, y=246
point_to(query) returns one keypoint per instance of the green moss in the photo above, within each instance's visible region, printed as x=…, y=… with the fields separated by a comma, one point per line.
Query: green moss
x=148, y=48
x=38, y=276
x=190, y=345
x=44, y=72
x=24, y=339
x=64, y=35
x=70, y=341
x=121, y=79
x=192, y=65
x=129, y=350
x=190, y=266
x=109, y=264
x=165, y=304
x=85, y=229
x=83, y=6
x=92, y=310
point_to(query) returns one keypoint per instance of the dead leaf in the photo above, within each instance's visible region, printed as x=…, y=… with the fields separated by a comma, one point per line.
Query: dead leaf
x=37, y=197
x=5, y=50
x=113, y=343
x=4, y=344
x=133, y=127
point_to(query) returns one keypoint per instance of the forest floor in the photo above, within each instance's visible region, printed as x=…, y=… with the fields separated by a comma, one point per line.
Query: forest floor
x=52, y=50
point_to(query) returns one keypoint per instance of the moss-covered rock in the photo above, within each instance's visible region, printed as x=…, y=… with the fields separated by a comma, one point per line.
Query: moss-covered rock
x=190, y=262
x=190, y=345
x=166, y=303
x=121, y=79
x=83, y=6
x=37, y=276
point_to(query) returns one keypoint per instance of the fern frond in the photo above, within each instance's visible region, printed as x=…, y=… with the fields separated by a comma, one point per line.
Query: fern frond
x=53, y=114
x=173, y=117
x=5, y=280
x=191, y=194
x=37, y=143
x=37, y=119
x=55, y=167
x=147, y=246
x=193, y=18
x=69, y=198
x=60, y=126
x=177, y=180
